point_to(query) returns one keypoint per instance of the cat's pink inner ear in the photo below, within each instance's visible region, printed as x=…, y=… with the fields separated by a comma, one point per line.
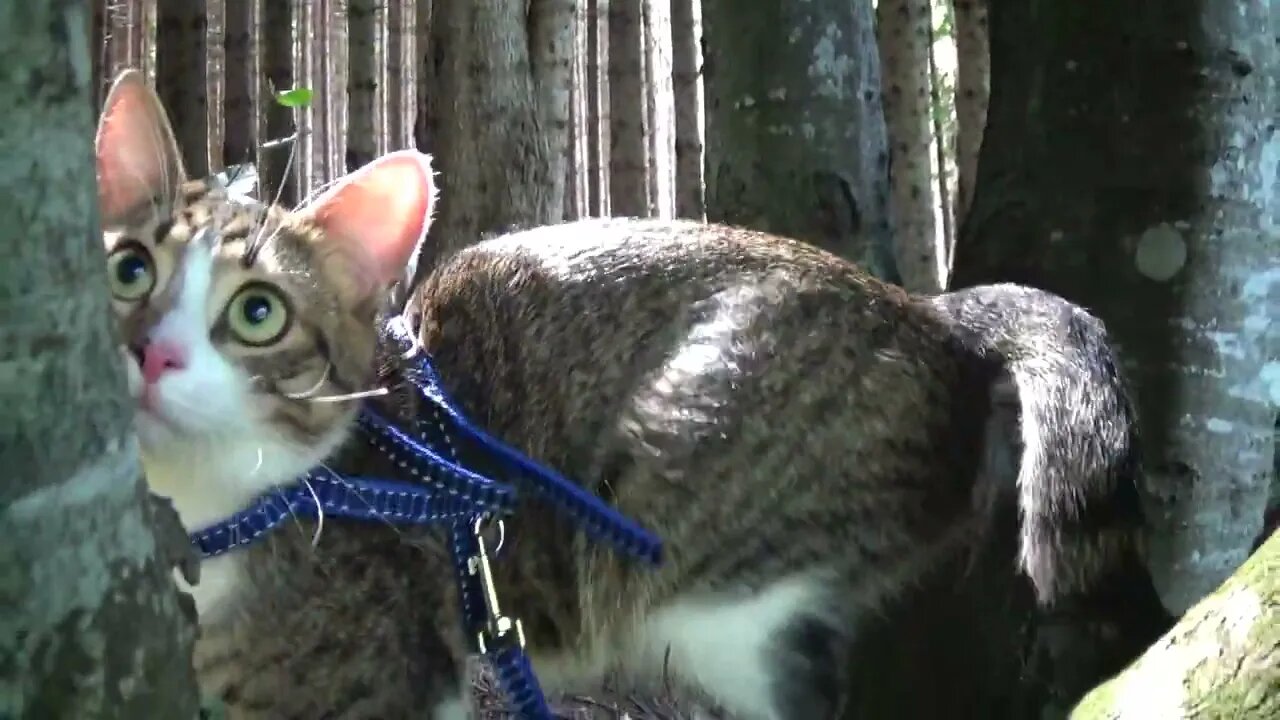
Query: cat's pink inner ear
x=378, y=216
x=137, y=157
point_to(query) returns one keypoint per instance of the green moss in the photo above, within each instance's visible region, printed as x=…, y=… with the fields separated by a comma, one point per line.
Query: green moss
x=1235, y=678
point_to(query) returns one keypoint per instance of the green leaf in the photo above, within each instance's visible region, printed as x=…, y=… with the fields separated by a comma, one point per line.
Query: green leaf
x=295, y=98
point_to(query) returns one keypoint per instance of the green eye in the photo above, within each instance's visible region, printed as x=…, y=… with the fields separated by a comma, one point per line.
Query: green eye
x=258, y=315
x=131, y=272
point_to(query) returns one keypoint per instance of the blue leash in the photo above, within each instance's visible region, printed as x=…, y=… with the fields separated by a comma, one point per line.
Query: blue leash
x=443, y=490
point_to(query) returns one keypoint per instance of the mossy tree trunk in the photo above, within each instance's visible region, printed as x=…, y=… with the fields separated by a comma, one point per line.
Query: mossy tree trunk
x=1222, y=659
x=91, y=624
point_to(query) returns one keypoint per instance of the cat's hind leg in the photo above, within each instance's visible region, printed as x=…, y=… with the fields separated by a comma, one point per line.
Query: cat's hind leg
x=768, y=654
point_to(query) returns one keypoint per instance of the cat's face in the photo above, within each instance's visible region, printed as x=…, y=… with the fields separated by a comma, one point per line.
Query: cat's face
x=244, y=329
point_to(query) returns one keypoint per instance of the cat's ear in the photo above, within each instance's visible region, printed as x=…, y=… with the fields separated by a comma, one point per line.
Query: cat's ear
x=138, y=160
x=375, y=220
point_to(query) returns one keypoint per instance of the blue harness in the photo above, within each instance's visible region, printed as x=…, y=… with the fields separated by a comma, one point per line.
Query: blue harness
x=442, y=490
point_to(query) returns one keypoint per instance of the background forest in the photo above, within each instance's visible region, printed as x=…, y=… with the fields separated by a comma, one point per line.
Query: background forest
x=1124, y=155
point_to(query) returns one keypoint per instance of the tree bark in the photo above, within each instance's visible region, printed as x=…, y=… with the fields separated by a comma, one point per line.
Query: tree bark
x=973, y=90
x=401, y=41
x=499, y=92
x=600, y=130
x=661, y=108
x=241, y=67
x=93, y=625
x=1163, y=223
x=795, y=136
x=182, y=77
x=279, y=172
x=365, y=92
x=904, y=30
x=628, y=119
x=941, y=168
x=686, y=80
x=1222, y=659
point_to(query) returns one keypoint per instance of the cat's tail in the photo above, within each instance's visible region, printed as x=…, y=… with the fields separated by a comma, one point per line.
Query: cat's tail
x=1081, y=519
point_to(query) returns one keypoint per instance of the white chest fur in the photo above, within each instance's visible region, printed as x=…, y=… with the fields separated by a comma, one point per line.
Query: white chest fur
x=208, y=484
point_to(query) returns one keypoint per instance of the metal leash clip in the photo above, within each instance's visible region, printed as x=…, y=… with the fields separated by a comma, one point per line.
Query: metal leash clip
x=498, y=628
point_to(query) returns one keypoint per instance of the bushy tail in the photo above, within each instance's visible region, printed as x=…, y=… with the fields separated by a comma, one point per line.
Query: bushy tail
x=1080, y=512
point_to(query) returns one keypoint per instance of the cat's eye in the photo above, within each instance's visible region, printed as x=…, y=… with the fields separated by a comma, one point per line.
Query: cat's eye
x=258, y=315
x=131, y=272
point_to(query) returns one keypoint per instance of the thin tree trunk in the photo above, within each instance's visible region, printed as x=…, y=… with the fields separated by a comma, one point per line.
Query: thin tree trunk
x=1159, y=222
x=552, y=25
x=331, y=41
x=661, y=103
x=215, y=81
x=938, y=143
x=423, y=127
x=577, y=176
x=686, y=80
x=499, y=93
x=904, y=30
x=601, y=128
x=304, y=76
x=1219, y=661
x=795, y=136
x=973, y=90
x=279, y=171
x=182, y=78
x=93, y=625
x=242, y=69
x=364, y=87
x=628, y=119
x=401, y=85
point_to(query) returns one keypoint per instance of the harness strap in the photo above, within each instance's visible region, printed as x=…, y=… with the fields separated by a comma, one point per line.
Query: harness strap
x=362, y=498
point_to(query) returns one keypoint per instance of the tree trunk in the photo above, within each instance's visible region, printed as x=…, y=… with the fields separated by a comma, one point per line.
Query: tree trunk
x=941, y=168
x=686, y=80
x=577, y=178
x=365, y=92
x=182, y=77
x=1220, y=660
x=401, y=79
x=92, y=623
x=795, y=136
x=973, y=77
x=240, y=87
x=903, y=27
x=599, y=129
x=277, y=153
x=661, y=108
x=1163, y=224
x=628, y=120
x=500, y=102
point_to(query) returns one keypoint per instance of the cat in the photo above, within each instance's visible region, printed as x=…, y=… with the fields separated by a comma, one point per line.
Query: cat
x=806, y=439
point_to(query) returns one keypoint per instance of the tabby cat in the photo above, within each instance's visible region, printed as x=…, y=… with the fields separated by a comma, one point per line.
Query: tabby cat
x=805, y=439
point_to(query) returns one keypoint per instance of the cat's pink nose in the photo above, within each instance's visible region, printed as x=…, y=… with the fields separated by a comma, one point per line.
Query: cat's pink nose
x=158, y=358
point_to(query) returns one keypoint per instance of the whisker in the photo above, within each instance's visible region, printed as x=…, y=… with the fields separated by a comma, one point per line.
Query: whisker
x=359, y=395
x=315, y=538
x=324, y=377
x=253, y=247
x=380, y=518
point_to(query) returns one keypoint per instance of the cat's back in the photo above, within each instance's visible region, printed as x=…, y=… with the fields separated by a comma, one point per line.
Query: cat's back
x=628, y=277
x=564, y=324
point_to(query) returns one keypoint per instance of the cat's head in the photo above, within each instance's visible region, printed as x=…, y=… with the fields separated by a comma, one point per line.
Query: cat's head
x=241, y=323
